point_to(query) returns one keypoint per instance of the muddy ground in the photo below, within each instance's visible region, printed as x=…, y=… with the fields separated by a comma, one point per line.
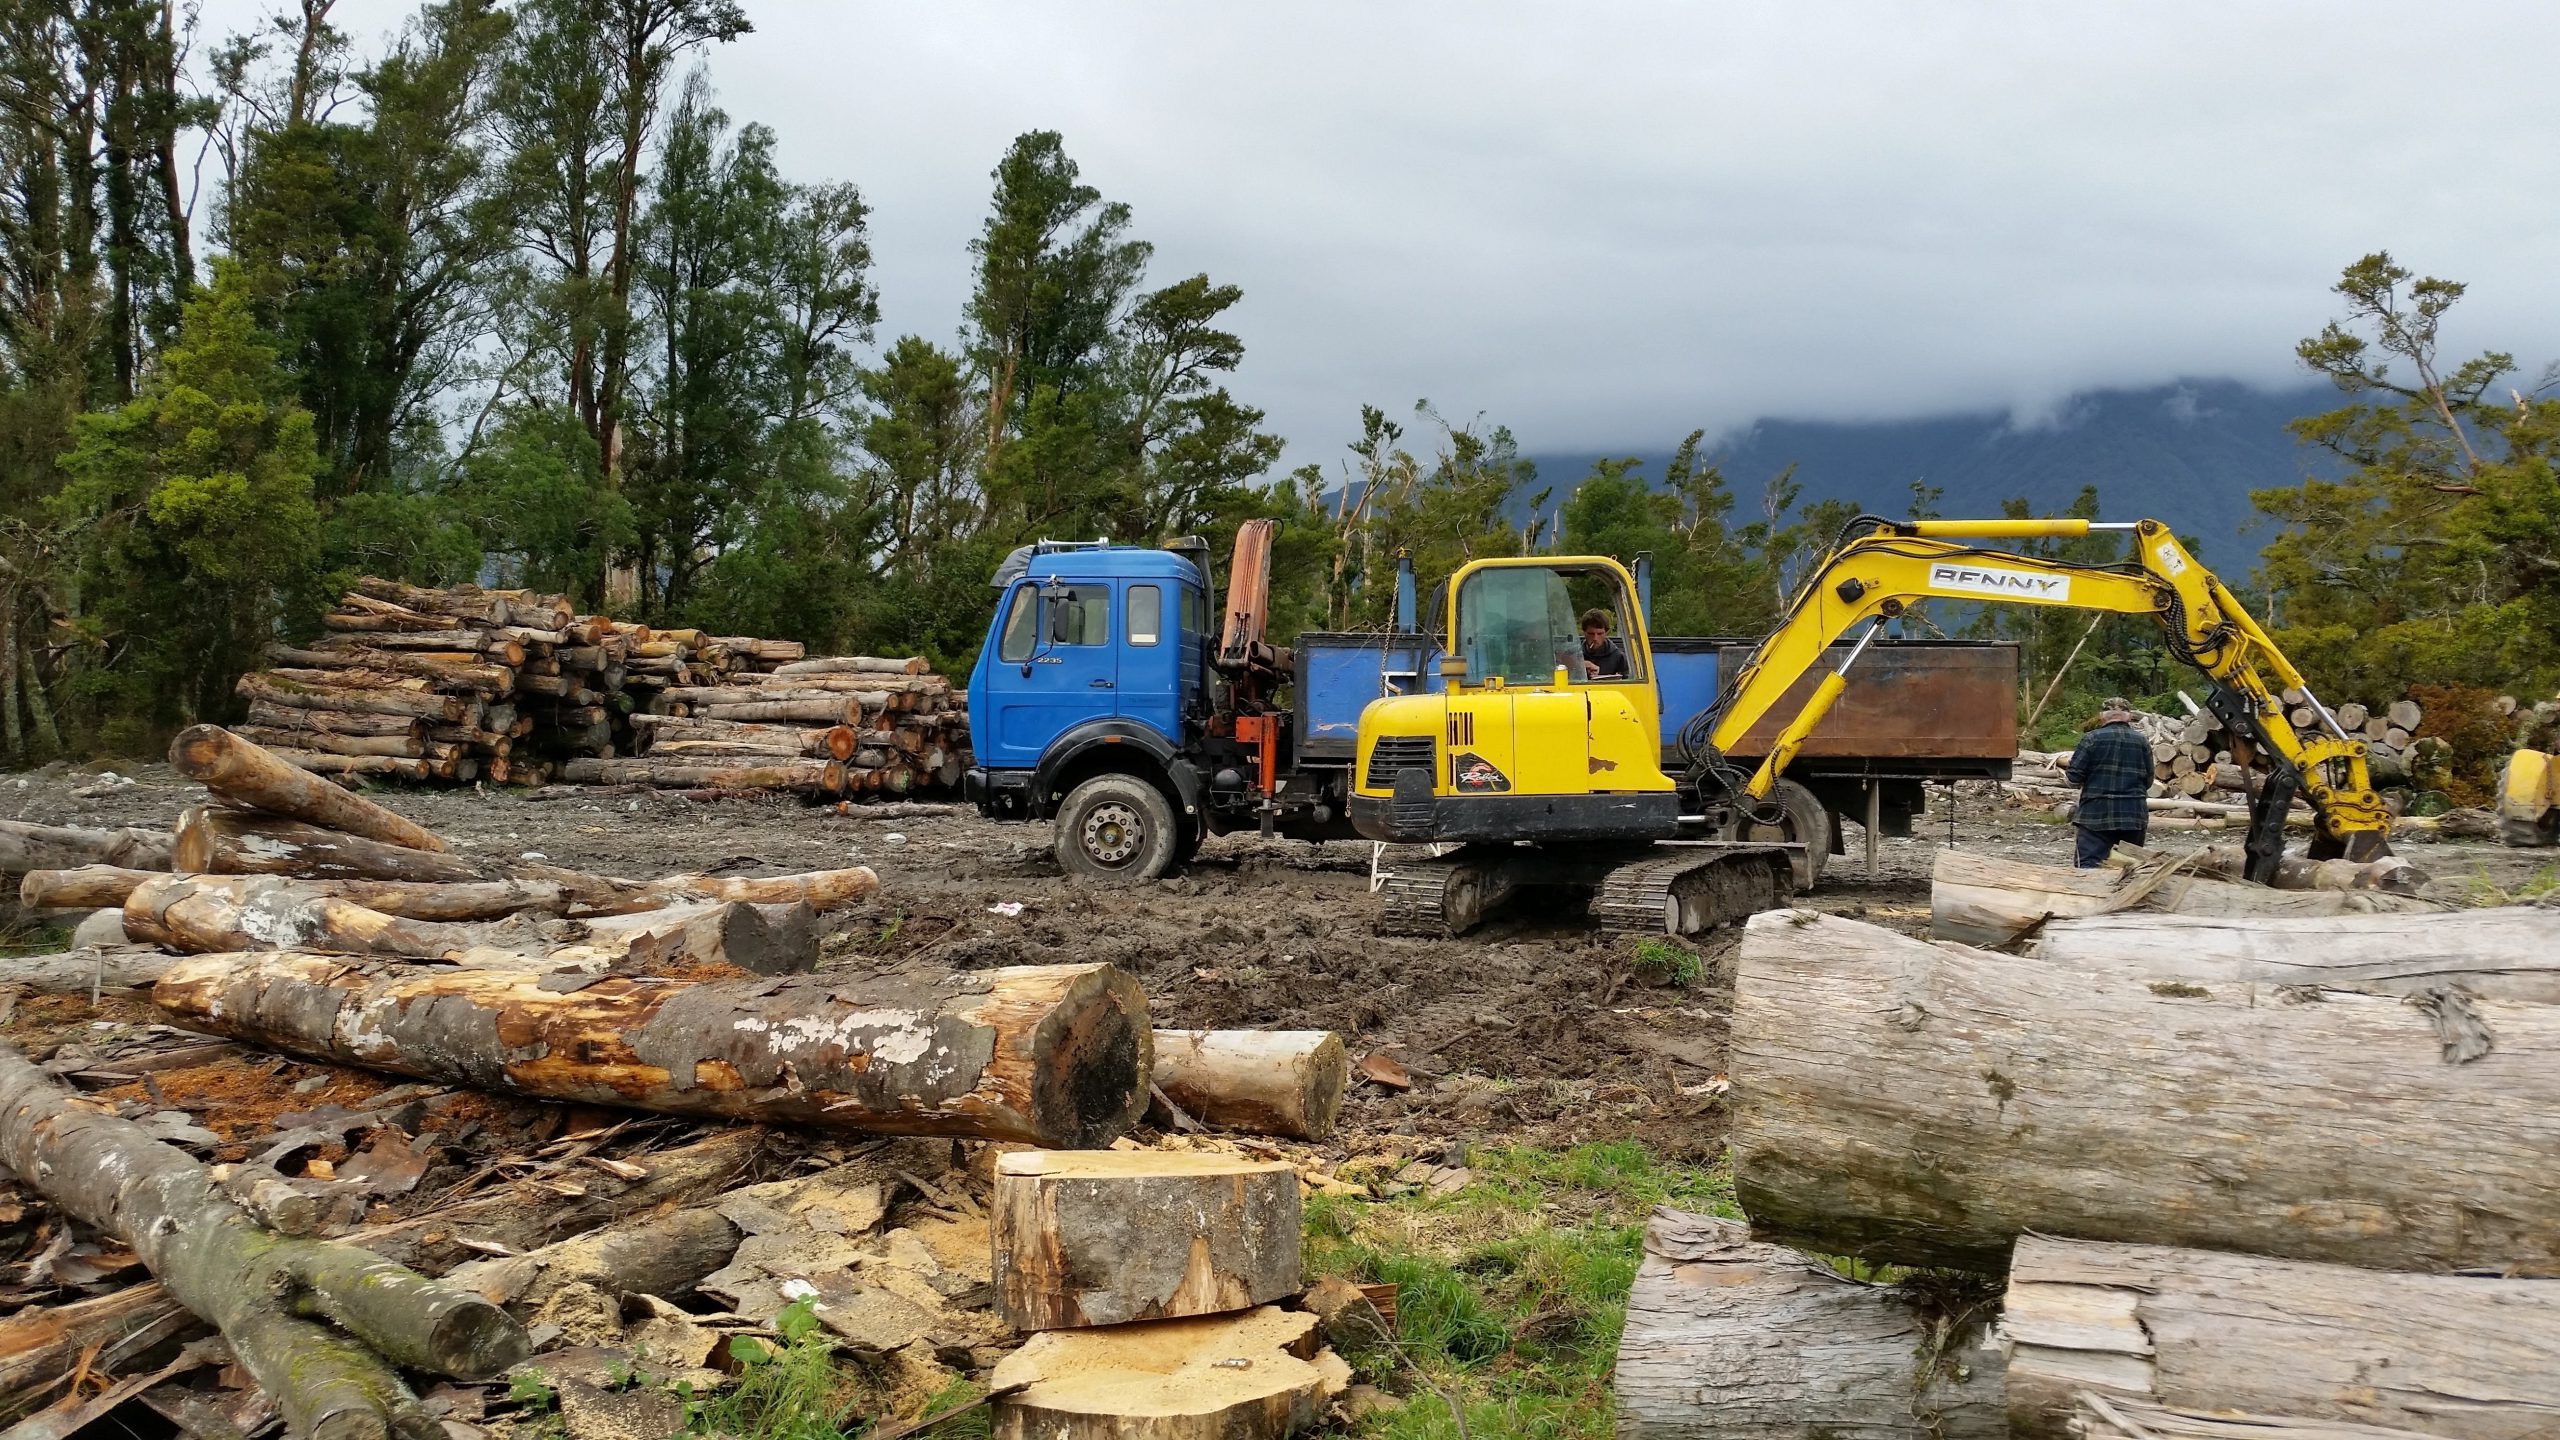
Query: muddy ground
x=1534, y=1028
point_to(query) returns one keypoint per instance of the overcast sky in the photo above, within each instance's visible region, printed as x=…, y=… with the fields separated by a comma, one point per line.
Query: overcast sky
x=1605, y=224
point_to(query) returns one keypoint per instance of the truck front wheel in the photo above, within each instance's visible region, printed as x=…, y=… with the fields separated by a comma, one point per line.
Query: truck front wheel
x=1117, y=827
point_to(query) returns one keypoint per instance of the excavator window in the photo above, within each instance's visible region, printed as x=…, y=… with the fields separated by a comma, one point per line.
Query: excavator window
x=1522, y=623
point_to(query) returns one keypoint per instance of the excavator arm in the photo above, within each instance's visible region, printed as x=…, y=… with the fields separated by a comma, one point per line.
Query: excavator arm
x=1874, y=576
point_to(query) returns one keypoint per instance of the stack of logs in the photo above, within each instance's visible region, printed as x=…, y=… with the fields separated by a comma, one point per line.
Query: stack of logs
x=296, y=916
x=510, y=686
x=2216, y=1172
x=840, y=725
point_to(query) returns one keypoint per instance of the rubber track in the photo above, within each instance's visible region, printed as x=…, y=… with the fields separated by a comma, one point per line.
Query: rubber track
x=1736, y=884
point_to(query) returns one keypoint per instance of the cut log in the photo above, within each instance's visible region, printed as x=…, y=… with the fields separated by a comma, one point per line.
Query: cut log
x=856, y=665
x=827, y=710
x=334, y=722
x=1924, y=1104
x=2352, y=715
x=2293, y=872
x=277, y=737
x=2508, y=953
x=1271, y=1082
x=837, y=742
x=454, y=669
x=416, y=704
x=201, y=913
x=88, y=887
x=1981, y=899
x=1727, y=1339
x=321, y=762
x=2471, y=1357
x=2404, y=715
x=1261, y=1375
x=25, y=847
x=251, y=1283
x=81, y=972
x=759, y=939
x=663, y=1255
x=785, y=775
x=1051, y=1055
x=246, y=775
x=240, y=842
x=820, y=890
x=1107, y=1237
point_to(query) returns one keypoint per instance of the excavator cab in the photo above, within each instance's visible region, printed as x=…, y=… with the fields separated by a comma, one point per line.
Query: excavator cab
x=1522, y=744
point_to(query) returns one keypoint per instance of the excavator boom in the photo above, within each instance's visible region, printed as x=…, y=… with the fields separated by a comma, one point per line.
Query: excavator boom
x=1876, y=575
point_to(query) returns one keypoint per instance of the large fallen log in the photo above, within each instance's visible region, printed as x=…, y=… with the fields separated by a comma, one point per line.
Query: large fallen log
x=1271, y=1082
x=248, y=776
x=267, y=912
x=1107, y=1237
x=242, y=842
x=252, y=1284
x=2511, y=952
x=93, y=887
x=2294, y=872
x=2470, y=1357
x=25, y=847
x=1926, y=1103
x=1728, y=1339
x=1052, y=1054
x=1980, y=899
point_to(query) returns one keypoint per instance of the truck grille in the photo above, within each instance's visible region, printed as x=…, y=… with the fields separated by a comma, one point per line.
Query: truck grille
x=1400, y=752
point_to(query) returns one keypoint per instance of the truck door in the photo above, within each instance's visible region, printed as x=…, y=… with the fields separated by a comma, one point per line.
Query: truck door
x=1151, y=661
x=1056, y=668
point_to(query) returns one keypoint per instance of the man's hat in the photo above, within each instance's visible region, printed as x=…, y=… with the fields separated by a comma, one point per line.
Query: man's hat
x=2116, y=708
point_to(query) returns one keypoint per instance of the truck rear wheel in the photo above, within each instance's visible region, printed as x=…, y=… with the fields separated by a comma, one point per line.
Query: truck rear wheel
x=1117, y=827
x=1803, y=821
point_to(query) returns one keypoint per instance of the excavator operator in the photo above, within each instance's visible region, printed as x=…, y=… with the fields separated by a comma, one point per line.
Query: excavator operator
x=1602, y=657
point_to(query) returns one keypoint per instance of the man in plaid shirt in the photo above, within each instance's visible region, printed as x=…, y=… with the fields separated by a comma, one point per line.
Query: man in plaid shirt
x=2112, y=767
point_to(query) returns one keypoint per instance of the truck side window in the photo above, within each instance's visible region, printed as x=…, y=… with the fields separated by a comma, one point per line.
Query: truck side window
x=1081, y=617
x=1146, y=614
x=1195, y=611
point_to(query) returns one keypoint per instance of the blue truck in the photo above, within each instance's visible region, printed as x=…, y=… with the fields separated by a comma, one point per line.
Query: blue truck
x=1116, y=698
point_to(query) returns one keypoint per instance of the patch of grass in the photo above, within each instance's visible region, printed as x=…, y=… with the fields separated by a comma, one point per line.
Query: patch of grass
x=794, y=1391
x=1511, y=1292
x=1668, y=962
x=27, y=937
x=2481, y=891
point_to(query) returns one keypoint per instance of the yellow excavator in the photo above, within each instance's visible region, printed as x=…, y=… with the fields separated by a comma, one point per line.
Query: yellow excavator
x=1543, y=773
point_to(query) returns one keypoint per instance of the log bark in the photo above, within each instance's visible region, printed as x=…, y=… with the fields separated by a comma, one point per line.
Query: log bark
x=210, y=913
x=2508, y=953
x=463, y=669
x=1977, y=899
x=1051, y=1055
x=248, y=776
x=276, y=737
x=83, y=971
x=25, y=847
x=856, y=665
x=1108, y=1237
x=1271, y=1082
x=820, y=890
x=836, y=742
x=414, y=704
x=759, y=939
x=782, y=775
x=1727, y=1339
x=252, y=1284
x=2462, y=1356
x=240, y=842
x=331, y=722
x=1170, y=1380
x=828, y=710
x=1925, y=1103
x=85, y=887
x=663, y=1255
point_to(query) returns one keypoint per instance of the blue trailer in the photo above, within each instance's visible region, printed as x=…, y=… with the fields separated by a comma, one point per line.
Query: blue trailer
x=1102, y=702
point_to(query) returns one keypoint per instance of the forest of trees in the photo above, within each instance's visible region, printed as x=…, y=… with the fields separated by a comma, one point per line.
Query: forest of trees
x=513, y=297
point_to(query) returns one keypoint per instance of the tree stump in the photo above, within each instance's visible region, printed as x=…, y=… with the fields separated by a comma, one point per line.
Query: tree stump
x=1107, y=1237
x=1170, y=1380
